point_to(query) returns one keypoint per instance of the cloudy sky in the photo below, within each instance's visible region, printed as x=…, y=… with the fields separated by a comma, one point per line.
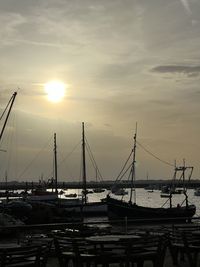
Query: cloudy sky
x=123, y=61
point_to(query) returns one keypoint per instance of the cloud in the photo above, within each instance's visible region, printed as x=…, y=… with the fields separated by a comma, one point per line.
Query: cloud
x=186, y=6
x=190, y=71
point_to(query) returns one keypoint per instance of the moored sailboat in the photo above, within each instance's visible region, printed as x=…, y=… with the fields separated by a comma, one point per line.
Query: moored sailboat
x=40, y=193
x=119, y=209
x=92, y=208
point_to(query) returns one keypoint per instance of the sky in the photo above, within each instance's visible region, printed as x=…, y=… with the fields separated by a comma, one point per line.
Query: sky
x=123, y=62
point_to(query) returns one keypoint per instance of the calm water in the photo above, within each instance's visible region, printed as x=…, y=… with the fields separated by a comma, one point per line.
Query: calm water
x=144, y=198
x=148, y=199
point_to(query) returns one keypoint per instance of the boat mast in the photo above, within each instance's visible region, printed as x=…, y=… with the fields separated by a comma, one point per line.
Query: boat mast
x=11, y=102
x=84, y=165
x=133, y=169
x=55, y=162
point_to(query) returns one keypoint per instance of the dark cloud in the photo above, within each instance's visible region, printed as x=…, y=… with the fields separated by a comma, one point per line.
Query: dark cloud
x=190, y=71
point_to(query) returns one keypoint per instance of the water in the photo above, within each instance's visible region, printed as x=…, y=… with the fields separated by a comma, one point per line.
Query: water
x=147, y=199
x=143, y=198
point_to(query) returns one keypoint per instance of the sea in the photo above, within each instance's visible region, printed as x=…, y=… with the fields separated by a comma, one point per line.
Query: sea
x=145, y=198
x=141, y=196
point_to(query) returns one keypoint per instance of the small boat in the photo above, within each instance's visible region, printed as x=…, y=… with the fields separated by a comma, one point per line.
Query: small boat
x=42, y=196
x=120, y=192
x=98, y=190
x=164, y=195
x=72, y=195
x=197, y=191
x=40, y=193
x=165, y=189
x=177, y=191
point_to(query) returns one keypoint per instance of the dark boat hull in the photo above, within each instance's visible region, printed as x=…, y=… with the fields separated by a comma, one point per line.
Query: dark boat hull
x=120, y=209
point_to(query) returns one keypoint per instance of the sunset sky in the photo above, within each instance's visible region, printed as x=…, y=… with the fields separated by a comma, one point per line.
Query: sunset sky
x=122, y=62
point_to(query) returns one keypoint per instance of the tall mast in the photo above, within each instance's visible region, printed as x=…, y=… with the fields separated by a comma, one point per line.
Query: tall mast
x=55, y=162
x=11, y=101
x=133, y=169
x=84, y=165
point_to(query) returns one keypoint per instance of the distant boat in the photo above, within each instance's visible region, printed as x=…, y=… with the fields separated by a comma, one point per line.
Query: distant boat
x=177, y=191
x=119, y=191
x=150, y=188
x=120, y=209
x=98, y=190
x=164, y=195
x=41, y=194
x=165, y=189
x=197, y=191
x=72, y=195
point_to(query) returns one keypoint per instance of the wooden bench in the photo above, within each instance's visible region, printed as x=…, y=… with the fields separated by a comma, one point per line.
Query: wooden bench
x=184, y=243
x=74, y=250
x=27, y=256
x=148, y=248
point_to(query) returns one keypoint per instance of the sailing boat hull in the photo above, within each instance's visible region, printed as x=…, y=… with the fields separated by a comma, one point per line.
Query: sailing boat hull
x=120, y=209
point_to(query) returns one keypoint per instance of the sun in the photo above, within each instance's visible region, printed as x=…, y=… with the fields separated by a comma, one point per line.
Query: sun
x=55, y=90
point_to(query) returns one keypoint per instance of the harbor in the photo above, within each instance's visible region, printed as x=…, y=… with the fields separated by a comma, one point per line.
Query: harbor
x=99, y=133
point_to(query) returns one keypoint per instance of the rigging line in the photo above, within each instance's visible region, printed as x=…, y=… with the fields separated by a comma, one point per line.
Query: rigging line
x=22, y=173
x=165, y=203
x=123, y=167
x=163, y=161
x=81, y=170
x=120, y=178
x=94, y=161
x=67, y=156
x=130, y=174
x=6, y=108
x=91, y=158
x=90, y=154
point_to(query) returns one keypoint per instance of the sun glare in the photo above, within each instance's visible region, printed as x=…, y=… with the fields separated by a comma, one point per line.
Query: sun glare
x=55, y=90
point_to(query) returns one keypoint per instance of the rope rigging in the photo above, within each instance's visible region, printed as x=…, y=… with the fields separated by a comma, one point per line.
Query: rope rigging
x=93, y=159
x=64, y=158
x=122, y=172
x=36, y=156
x=153, y=155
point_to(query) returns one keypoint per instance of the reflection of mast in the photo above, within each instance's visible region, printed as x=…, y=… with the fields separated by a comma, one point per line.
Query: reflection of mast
x=84, y=165
x=11, y=101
